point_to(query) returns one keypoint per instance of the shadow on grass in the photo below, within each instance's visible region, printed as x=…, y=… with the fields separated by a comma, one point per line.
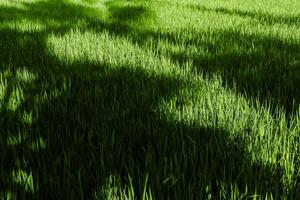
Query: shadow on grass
x=98, y=121
x=269, y=72
x=261, y=67
x=262, y=17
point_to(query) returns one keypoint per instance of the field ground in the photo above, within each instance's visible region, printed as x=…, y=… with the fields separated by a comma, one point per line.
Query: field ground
x=153, y=99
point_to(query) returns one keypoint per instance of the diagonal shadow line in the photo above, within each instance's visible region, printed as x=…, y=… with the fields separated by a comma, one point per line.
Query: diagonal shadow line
x=268, y=60
x=260, y=16
x=123, y=81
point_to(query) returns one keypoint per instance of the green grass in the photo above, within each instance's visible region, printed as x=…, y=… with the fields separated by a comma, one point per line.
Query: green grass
x=156, y=99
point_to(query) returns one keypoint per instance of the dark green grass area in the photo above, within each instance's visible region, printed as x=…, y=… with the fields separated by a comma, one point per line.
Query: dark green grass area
x=74, y=126
x=262, y=67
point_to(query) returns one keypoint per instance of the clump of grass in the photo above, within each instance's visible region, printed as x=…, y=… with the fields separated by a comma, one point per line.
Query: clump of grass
x=149, y=99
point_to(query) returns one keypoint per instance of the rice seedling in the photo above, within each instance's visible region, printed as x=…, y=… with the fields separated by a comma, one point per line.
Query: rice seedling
x=157, y=99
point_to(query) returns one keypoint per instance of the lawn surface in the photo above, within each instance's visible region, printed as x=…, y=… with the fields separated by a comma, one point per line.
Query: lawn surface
x=153, y=99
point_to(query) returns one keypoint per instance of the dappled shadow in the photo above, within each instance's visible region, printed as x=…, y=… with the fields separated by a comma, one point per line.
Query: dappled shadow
x=90, y=135
x=260, y=16
x=100, y=121
x=269, y=72
x=262, y=67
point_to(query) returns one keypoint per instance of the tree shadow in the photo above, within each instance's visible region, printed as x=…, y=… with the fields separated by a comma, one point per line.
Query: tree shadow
x=100, y=121
x=260, y=16
x=260, y=67
x=91, y=135
x=269, y=72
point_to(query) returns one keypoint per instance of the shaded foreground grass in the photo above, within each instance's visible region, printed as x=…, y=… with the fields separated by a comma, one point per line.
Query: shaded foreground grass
x=99, y=100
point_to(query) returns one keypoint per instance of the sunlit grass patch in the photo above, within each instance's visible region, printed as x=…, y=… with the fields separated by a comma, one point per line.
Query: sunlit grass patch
x=105, y=49
x=149, y=99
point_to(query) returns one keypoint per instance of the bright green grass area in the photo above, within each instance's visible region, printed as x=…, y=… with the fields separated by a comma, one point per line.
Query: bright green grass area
x=156, y=99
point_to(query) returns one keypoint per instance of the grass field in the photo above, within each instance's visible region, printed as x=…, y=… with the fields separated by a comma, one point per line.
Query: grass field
x=149, y=99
